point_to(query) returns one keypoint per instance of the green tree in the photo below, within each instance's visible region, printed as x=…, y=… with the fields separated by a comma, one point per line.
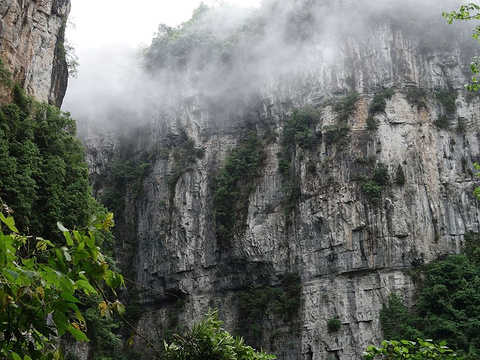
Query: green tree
x=208, y=341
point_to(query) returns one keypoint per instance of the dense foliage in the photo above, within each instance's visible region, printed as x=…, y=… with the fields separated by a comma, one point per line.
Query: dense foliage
x=397, y=322
x=373, y=178
x=40, y=284
x=337, y=134
x=44, y=175
x=298, y=129
x=380, y=101
x=417, y=96
x=448, y=306
x=207, y=340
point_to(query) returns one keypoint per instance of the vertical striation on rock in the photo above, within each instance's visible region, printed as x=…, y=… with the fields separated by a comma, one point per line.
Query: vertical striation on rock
x=31, y=46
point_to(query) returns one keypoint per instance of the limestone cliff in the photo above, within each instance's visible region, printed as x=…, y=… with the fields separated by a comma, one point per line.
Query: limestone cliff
x=31, y=46
x=336, y=228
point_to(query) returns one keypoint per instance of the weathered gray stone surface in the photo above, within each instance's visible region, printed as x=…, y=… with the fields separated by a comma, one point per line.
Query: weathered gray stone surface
x=350, y=253
x=31, y=34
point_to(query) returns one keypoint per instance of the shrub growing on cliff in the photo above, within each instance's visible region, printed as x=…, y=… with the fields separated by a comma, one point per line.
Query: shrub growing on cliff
x=345, y=106
x=298, y=128
x=371, y=123
x=373, y=191
x=417, y=97
x=381, y=175
x=336, y=134
x=233, y=185
x=283, y=166
x=5, y=75
x=379, y=101
x=447, y=99
x=258, y=301
x=122, y=174
x=442, y=122
x=334, y=324
x=400, y=178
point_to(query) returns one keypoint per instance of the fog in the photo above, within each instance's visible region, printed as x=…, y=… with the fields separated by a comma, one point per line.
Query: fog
x=228, y=54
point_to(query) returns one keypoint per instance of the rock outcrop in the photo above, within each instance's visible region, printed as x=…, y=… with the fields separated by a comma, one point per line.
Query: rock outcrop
x=32, y=46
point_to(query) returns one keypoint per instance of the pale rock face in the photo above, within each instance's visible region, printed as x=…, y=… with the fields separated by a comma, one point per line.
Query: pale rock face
x=349, y=252
x=31, y=33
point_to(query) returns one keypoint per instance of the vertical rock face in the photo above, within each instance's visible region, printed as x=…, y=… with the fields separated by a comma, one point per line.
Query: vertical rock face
x=348, y=243
x=31, y=46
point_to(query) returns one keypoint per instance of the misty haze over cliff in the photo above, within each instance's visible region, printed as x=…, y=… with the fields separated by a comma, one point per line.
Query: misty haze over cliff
x=226, y=55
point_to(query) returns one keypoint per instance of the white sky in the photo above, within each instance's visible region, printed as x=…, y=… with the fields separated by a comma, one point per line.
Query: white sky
x=102, y=22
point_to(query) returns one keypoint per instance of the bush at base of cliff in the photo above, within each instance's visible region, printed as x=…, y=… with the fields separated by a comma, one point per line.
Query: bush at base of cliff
x=448, y=304
x=397, y=322
x=207, y=340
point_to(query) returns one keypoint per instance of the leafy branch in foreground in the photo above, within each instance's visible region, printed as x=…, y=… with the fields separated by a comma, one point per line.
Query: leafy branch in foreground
x=404, y=349
x=39, y=287
x=468, y=12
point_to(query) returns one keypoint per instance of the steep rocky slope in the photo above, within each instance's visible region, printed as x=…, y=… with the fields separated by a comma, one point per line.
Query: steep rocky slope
x=31, y=46
x=327, y=222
